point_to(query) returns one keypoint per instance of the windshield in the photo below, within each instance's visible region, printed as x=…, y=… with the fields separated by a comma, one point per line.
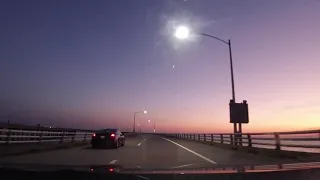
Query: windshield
x=107, y=130
x=175, y=84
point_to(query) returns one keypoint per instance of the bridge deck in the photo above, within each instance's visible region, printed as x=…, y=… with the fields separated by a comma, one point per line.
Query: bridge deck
x=148, y=151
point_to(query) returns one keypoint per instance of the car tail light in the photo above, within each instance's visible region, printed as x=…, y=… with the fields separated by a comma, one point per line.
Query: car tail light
x=94, y=135
x=111, y=170
x=112, y=135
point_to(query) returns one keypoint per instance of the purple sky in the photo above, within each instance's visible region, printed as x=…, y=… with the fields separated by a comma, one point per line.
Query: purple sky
x=91, y=64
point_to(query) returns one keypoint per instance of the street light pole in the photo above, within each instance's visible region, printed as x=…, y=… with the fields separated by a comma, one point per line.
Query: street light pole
x=235, y=129
x=182, y=32
x=134, y=119
x=154, y=125
x=231, y=69
x=134, y=122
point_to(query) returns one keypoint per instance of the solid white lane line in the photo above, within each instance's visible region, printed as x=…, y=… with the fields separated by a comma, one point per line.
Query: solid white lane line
x=142, y=177
x=139, y=144
x=176, y=167
x=113, y=161
x=199, y=155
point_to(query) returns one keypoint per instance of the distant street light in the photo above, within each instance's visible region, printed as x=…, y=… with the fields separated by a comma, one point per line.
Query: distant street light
x=134, y=119
x=154, y=125
x=182, y=32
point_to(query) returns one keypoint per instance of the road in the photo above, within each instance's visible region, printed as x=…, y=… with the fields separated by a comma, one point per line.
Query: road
x=147, y=151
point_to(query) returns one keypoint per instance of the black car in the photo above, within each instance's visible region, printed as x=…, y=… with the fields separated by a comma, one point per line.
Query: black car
x=107, y=138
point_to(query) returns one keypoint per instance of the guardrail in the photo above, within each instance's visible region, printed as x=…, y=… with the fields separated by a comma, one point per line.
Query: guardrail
x=18, y=136
x=303, y=141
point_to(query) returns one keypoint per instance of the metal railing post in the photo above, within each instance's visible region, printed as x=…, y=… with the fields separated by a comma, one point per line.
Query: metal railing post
x=277, y=141
x=74, y=135
x=212, y=139
x=205, y=137
x=249, y=141
x=236, y=139
x=221, y=138
x=8, y=136
x=40, y=138
x=61, y=141
x=198, y=137
x=85, y=137
x=231, y=140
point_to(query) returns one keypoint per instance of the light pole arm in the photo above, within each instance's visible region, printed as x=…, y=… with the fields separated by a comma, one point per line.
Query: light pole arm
x=226, y=42
x=231, y=63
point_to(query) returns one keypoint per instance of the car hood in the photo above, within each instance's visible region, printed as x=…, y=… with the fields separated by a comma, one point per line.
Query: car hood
x=217, y=169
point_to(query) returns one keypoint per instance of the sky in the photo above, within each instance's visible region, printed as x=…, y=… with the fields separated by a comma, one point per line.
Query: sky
x=92, y=64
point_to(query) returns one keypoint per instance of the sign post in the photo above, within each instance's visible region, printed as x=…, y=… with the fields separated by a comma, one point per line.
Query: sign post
x=239, y=114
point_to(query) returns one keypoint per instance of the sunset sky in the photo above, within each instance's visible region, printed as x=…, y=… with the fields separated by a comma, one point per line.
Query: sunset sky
x=92, y=64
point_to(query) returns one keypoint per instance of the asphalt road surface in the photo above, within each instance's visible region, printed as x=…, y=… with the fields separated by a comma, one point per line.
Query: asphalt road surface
x=147, y=151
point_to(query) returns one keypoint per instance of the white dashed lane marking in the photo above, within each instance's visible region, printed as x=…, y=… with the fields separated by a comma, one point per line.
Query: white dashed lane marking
x=113, y=161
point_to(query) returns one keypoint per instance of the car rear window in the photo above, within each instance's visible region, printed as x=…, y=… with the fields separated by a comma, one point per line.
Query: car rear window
x=108, y=130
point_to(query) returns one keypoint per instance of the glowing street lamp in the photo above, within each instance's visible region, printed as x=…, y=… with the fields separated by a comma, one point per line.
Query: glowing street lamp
x=182, y=32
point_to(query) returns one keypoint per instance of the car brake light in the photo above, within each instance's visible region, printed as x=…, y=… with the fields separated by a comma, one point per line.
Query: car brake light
x=94, y=135
x=111, y=170
x=112, y=135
